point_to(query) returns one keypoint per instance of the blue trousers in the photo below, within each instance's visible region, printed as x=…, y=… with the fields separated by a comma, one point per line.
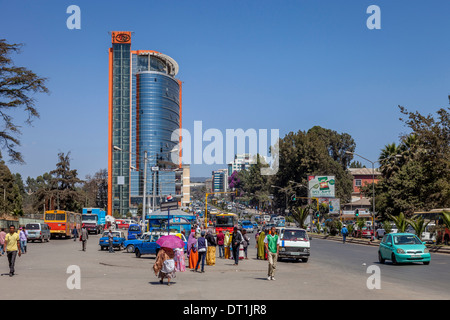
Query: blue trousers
x=202, y=257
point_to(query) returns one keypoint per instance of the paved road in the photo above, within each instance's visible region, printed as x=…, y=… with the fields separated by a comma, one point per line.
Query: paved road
x=335, y=271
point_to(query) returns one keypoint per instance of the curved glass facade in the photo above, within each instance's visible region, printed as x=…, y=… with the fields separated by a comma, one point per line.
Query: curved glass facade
x=156, y=115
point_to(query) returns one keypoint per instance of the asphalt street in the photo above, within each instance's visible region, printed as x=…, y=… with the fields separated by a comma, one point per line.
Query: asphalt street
x=334, y=271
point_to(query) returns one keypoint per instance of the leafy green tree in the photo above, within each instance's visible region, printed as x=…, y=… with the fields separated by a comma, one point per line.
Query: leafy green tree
x=316, y=152
x=356, y=164
x=95, y=189
x=41, y=194
x=416, y=173
x=18, y=86
x=387, y=227
x=65, y=182
x=10, y=198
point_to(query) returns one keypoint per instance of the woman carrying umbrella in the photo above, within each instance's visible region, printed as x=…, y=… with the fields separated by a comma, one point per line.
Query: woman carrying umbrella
x=192, y=251
x=164, y=266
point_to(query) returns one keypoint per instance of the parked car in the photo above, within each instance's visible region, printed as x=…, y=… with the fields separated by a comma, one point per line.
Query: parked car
x=148, y=245
x=367, y=232
x=403, y=248
x=118, y=240
x=130, y=244
x=295, y=244
x=134, y=231
x=38, y=231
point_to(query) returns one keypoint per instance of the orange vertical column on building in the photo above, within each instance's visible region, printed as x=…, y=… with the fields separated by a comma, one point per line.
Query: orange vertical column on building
x=110, y=131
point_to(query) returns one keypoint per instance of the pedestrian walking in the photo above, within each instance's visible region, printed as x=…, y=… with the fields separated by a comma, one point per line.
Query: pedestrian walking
x=272, y=243
x=235, y=244
x=220, y=244
x=110, y=241
x=75, y=233
x=245, y=242
x=23, y=236
x=202, y=245
x=211, y=252
x=344, y=232
x=12, y=248
x=261, y=247
x=164, y=266
x=2, y=241
x=192, y=250
x=226, y=244
x=180, y=264
x=198, y=232
x=84, y=237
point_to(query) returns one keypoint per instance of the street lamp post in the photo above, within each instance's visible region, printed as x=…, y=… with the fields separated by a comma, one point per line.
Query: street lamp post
x=144, y=202
x=373, y=187
x=285, y=193
x=309, y=201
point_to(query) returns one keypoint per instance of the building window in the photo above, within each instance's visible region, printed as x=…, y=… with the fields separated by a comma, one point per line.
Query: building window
x=358, y=183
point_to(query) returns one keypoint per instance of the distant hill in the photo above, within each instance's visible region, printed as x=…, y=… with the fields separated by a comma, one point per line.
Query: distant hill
x=198, y=179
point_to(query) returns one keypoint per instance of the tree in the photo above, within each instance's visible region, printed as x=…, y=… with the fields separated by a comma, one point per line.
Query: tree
x=95, y=190
x=416, y=172
x=400, y=222
x=419, y=225
x=40, y=191
x=64, y=183
x=316, y=152
x=17, y=86
x=300, y=214
x=356, y=164
x=10, y=198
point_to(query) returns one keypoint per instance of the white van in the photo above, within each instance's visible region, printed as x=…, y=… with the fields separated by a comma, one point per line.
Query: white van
x=294, y=244
x=38, y=231
x=428, y=236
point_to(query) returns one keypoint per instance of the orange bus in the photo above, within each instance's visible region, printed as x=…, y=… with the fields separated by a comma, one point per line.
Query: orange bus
x=226, y=222
x=61, y=222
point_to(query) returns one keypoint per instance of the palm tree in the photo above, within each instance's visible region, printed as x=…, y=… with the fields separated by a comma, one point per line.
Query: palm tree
x=419, y=225
x=300, y=214
x=388, y=160
x=446, y=218
x=400, y=221
x=361, y=223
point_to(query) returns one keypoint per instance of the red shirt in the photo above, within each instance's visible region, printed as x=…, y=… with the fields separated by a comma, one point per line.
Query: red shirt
x=220, y=239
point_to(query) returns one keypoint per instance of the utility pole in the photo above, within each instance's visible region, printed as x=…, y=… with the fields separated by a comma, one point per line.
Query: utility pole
x=145, y=189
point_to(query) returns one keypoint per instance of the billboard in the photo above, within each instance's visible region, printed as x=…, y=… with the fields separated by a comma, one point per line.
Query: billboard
x=334, y=205
x=321, y=186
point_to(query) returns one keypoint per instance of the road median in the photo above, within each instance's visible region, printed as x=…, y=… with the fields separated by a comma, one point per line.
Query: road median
x=432, y=247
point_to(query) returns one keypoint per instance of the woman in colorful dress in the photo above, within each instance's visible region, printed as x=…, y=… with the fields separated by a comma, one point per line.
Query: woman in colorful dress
x=192, y=251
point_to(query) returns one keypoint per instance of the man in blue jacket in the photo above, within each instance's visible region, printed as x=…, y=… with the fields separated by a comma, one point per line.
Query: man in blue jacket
x=344, y=233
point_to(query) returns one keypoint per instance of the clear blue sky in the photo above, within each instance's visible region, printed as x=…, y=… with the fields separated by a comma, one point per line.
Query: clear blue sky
x=245, y=64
